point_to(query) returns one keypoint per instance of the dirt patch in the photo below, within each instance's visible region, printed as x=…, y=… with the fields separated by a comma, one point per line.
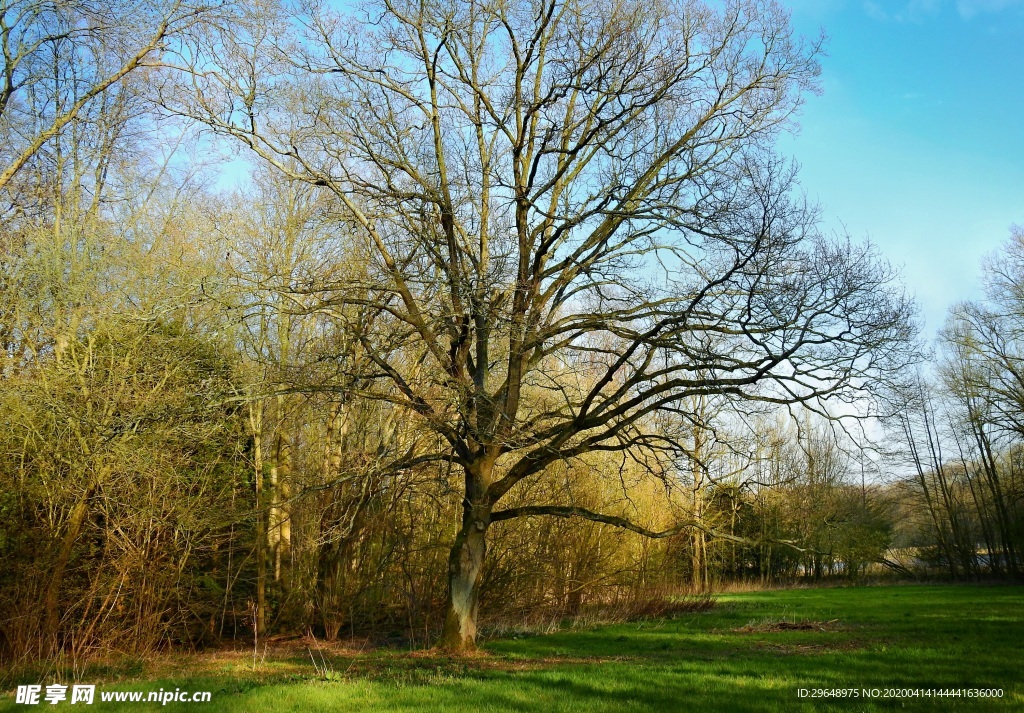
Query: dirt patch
x=770, y=626
x=805, y=649
x=306, y=658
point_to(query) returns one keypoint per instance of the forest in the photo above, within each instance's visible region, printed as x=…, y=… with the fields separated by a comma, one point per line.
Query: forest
x=418, y=320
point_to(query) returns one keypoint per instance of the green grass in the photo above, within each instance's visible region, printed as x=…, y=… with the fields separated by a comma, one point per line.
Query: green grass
x=750, y=653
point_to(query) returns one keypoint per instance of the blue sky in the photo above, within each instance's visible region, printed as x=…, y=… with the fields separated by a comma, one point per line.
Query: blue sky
x=918, y=139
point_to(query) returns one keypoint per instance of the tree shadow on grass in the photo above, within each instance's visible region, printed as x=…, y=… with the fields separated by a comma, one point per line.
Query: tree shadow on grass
x=936, y=639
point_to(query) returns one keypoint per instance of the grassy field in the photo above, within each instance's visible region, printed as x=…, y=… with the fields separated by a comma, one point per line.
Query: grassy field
x=752, y=652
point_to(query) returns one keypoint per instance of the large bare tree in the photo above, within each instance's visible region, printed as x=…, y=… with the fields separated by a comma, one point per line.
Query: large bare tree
x=573, y=219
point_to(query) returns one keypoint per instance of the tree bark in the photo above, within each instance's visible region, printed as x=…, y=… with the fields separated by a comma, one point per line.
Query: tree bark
x=465, y=568
x=76, y=521
x=256, y=424
x=51, y=600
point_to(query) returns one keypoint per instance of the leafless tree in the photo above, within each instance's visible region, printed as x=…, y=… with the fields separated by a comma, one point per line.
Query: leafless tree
x=62, y=57
x=983, y=374
x=573, y=219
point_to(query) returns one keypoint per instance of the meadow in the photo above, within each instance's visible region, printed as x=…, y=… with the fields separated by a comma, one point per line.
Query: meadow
x=750, y=652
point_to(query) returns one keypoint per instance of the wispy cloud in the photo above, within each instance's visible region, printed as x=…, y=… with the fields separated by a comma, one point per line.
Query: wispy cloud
x=971, y=8
x=920, y=10
x=909, y=11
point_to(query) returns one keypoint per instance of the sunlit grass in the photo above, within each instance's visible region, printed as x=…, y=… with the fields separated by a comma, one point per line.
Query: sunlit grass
x=751, y=653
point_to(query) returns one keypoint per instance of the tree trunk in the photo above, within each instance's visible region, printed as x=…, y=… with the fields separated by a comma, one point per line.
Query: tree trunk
x=76, y=521
x=51, y=600
x=260, y=615
x=279, y=527
x=465, y=567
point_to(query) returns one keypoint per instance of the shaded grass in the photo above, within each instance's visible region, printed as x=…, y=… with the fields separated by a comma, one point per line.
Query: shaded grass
x=750, y=653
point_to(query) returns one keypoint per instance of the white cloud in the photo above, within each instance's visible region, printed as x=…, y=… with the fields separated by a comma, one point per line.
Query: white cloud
x=875, y=11
x=970, y=8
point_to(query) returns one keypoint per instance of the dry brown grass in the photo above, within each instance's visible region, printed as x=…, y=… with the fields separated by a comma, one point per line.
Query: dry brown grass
x=653, y=603
x=775, y=625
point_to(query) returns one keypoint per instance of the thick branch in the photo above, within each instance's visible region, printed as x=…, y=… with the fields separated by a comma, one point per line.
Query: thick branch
x=563, y=511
